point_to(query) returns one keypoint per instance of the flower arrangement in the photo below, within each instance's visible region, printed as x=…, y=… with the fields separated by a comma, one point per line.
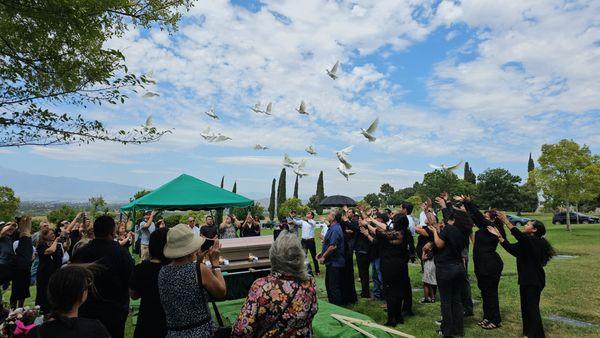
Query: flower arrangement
x=20, y=321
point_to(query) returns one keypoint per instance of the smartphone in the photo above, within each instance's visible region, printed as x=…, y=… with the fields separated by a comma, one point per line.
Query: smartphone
x=208, y=243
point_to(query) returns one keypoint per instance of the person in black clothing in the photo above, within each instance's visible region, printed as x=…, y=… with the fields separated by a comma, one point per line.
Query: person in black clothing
x=250, y=227
x=50, y=252
x=143, y=284
x=22, y=264
x=350, y=228
x=533, y=252
x=362, y=249
x=408, y=253
x=209, y=230
x=450, y=269
x=488, y=264
x=110, y=302
x=394, y=266
x=67, y=291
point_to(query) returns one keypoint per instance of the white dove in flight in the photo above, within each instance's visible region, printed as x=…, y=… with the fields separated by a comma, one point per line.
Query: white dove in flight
x=311, y=150
x=299, y=170
x=333, y=72
x=342, y=169
x=369, y=132
x=302, y=108
x=150, y=94
x=445, y=167
x=258, y=146
x=149, y=121
x=342, y=156
x=211, y=113
x=256, y=108
x=269, y=109
x=288, y=162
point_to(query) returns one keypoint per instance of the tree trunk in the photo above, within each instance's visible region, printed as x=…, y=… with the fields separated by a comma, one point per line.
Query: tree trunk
x=577, y=212
x=568, y=214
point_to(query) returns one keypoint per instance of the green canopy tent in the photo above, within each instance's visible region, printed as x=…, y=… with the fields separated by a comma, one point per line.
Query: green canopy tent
x=187, y=193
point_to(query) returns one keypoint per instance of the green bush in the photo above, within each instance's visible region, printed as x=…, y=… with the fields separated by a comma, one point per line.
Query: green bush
x=63, y=212
x=292, y=204
x=255, y=210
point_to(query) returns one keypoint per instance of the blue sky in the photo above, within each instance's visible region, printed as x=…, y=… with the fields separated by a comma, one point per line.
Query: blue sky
x=485, y=82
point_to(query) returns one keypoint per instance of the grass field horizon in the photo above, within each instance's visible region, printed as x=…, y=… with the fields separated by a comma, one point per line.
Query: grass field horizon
x=571, y=291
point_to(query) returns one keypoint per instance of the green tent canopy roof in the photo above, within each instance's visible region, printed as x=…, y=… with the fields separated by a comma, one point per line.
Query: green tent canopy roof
x=188, y=193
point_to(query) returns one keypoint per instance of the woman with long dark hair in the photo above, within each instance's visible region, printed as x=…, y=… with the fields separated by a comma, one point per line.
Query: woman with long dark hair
x=393, y=264
x=533, y=252
x=50, y=252
x=488, y=264
x=67, y=291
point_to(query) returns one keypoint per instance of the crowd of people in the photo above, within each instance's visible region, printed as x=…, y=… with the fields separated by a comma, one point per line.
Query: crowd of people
x=85, y=274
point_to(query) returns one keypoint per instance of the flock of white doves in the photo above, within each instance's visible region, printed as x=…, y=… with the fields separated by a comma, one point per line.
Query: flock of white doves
x=298, y=167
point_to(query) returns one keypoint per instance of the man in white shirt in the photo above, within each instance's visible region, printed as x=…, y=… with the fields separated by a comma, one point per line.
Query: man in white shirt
x=308, y=237
x=146, y=228
x=193, y=226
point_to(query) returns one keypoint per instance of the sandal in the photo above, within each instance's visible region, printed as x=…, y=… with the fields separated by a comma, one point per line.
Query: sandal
x=483, y=322
x=490, y=326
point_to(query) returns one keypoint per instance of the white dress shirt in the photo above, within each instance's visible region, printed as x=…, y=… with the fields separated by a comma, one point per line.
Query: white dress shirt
x=308, y=227
x=411, y=224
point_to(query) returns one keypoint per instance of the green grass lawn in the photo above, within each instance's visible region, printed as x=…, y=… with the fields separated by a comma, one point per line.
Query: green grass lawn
x=572, y=290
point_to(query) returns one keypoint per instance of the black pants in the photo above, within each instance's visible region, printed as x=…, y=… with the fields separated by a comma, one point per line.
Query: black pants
x=333, y=284
x=309, y=245
x=348, y=285
x=489, y=297
x=393, y=271
x=407, y=305
x=451, y=278
x=467, y=298
x=530, y=311
x=363, y=261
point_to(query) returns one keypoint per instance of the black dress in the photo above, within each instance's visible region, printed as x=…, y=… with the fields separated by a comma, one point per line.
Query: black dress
x=47, y=266
x=151, y=318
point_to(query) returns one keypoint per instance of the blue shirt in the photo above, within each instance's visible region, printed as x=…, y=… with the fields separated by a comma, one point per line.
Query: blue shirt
x=334, y=236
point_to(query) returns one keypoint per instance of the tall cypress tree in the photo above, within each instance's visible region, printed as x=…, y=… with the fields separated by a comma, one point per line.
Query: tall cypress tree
x=531, y=164
x=234, y=190
x=296, y=188
x=281, y=189
x=320, y=191
x=222, y=182
x=272, y=202
x=469, y=175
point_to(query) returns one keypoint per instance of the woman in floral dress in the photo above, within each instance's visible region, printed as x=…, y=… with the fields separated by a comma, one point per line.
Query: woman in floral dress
x=283, y=303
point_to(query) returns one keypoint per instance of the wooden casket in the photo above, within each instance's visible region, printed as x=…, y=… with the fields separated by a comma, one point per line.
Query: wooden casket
x=247, y=259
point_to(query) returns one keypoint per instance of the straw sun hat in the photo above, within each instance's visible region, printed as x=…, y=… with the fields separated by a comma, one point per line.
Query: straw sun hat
x=181, y=241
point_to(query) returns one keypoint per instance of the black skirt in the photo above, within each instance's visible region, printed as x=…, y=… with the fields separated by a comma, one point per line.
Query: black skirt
x=21, y=280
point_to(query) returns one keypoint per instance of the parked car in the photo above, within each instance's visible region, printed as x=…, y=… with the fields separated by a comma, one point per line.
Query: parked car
x=517, y=220
x=561, y=217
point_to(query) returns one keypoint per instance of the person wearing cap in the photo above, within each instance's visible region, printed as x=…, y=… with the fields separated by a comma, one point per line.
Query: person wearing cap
x=185, y=284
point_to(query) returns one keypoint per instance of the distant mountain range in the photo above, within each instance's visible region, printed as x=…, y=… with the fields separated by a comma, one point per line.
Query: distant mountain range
x=30, y=187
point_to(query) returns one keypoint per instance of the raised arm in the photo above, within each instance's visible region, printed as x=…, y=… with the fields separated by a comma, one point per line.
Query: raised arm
x=511, y=248
x=480, y=221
